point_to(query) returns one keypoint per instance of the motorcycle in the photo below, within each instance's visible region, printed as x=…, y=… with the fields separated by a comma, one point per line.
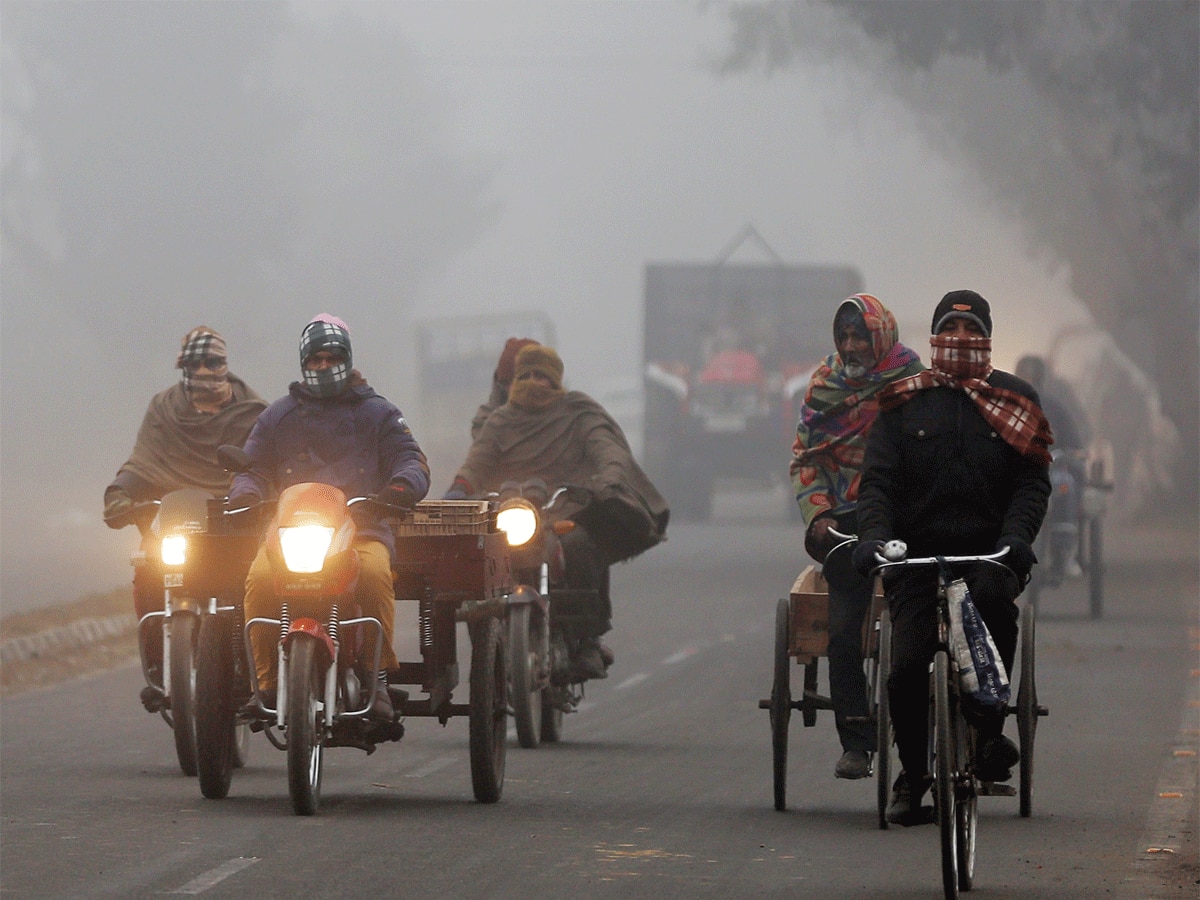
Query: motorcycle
x=201, y=569
x=549, y=622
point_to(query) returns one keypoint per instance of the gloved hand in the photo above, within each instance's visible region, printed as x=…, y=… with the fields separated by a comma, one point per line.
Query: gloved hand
x=398, y=493
x=116, y=502
x=1020, y=556
x=459, y=490
x=863, y=557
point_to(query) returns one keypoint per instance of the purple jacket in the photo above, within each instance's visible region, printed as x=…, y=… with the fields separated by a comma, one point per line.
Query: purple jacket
x=358, y=442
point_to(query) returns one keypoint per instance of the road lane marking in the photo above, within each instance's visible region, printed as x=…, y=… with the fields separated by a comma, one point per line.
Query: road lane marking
x=679, y=656
x=632, y=680
x=213, y=877
x=430, y=767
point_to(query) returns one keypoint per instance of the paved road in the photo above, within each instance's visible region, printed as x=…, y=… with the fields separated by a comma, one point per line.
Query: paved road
x=662, y=786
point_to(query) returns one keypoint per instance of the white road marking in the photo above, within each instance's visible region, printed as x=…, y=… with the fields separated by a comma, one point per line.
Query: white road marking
x=430, y=767
x=213, y=877
x=632, y=680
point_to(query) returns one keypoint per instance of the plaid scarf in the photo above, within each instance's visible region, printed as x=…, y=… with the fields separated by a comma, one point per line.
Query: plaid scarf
x=964, y=364
x=203, y=345
x=831, y=436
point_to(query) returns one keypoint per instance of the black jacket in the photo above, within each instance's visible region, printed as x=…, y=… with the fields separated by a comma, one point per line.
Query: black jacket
x=938, y=476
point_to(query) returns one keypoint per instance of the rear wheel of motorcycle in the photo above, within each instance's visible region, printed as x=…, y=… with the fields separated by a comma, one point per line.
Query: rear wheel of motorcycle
x=216, y=718
x=1095, y=558
x=526, y=702
x=305, y=730
x=184, y=631
x=552, y=714
x=488, y=716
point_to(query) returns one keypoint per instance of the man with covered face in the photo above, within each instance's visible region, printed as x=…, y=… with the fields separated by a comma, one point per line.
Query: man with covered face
x=567, y=438
x=332, y=428
x=176, y=448
x=840, y=405
x=956, y=465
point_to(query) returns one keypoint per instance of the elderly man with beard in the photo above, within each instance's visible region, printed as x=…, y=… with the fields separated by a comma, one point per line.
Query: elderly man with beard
x=565, y=437
x=956, y=465
x=176, y=448
x=839, y=407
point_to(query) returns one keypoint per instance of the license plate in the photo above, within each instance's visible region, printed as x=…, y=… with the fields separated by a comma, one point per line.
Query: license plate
x=173, y=580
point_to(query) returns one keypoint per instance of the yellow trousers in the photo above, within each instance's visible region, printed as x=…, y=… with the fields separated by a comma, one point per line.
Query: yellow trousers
x=376, y=595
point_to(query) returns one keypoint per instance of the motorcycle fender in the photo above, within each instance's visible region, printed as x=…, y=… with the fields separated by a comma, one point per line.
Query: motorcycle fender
x=523, y=594
x=185, y=605
x=313, y=629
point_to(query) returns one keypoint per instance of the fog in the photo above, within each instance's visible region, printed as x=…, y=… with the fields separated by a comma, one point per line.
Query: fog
x=246, y=166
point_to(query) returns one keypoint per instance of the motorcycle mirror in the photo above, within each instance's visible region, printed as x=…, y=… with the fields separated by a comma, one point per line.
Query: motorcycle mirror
x=233, y=459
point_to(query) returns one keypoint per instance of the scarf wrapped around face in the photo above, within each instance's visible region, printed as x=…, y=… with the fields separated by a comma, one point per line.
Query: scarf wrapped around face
x=199, y=345
x=964, y=364
x=838, y=411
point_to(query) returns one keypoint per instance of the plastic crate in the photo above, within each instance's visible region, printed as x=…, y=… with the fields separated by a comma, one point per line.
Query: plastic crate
x=445, y=517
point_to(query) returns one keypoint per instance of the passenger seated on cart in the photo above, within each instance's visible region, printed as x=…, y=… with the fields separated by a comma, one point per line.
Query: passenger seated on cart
x=332, y=428
x=502, y=380
x=567, y=438
x=956, y=464
x=839, y=406
x=176, y=448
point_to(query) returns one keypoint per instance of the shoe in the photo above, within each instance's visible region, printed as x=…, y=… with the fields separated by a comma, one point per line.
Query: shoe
x=854, y=764
x=905, y=807
x=995, y=758
x=381, y=706
x=589, y=662
x=152, y=698
x=267, y=696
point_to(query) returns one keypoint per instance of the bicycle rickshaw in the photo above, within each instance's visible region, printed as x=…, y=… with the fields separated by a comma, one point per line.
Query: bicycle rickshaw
x=952, y=739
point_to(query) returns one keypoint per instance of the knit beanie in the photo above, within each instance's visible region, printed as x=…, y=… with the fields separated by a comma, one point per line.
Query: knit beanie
x=963, y=305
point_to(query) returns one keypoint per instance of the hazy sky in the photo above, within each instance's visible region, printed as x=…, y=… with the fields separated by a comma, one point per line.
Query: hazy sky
x=610, y=143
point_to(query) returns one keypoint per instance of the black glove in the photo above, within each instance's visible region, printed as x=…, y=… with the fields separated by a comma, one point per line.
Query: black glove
x=863, y=557
x=1020, y=556
x=398, y=493
x=116, y=502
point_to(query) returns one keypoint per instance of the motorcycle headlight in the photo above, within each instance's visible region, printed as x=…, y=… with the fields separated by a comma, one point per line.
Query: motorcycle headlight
x=304, y=547
x=518, y=520
x=174, y=550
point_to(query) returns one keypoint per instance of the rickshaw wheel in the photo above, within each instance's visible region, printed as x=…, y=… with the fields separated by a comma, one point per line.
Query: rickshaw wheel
x=944, y=774
x=883, y=719
x=1095, y=569
x=781, y=702
x=488, y=713
x=1027, y=708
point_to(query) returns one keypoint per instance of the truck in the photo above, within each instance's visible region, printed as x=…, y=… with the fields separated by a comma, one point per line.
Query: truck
x=729, y=347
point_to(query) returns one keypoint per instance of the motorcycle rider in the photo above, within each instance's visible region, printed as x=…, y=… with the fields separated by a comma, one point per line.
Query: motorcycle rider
x=333, y=428
x=840, y=405
x=1070, y=426
x=567, y=438
x=501, y=382
x=176, y=448
x=956, y=464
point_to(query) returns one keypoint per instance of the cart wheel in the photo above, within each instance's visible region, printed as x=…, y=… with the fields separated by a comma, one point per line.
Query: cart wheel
x=883, y=719
x=488, y=715
x=1095, y=571
x=808, y=709
x=1027, y=708
x=781, y=702
x=185, y=630
x=526, y=702
x=944, y=773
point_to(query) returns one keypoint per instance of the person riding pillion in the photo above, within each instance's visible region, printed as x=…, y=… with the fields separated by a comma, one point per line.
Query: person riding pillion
x=957, y=464
x=176, y=448
x=332, y=428
x=567, y=438
x=840, y=405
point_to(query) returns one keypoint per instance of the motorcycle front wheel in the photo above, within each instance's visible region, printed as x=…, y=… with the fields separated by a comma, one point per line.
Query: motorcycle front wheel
x=216, y=717
x=305, y=725
x=184, y=632
x=526, y=701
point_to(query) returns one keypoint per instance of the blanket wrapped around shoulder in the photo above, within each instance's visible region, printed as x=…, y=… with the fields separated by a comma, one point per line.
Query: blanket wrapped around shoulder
x=177, y=444
x=575, y=442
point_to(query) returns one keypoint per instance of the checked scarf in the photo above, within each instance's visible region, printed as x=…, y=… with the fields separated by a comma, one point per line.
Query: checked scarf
x=964, y=364
x=831, y=436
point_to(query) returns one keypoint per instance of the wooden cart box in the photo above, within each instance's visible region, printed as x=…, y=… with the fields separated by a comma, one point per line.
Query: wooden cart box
x=809, y=619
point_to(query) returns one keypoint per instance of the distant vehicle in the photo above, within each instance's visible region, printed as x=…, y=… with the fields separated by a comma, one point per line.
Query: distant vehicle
x=729, y=348
x=456, y=357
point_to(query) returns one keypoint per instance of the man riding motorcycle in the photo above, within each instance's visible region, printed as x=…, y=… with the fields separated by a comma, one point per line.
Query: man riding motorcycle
x=176, y=448
x=567, y=438
x=332, y=428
